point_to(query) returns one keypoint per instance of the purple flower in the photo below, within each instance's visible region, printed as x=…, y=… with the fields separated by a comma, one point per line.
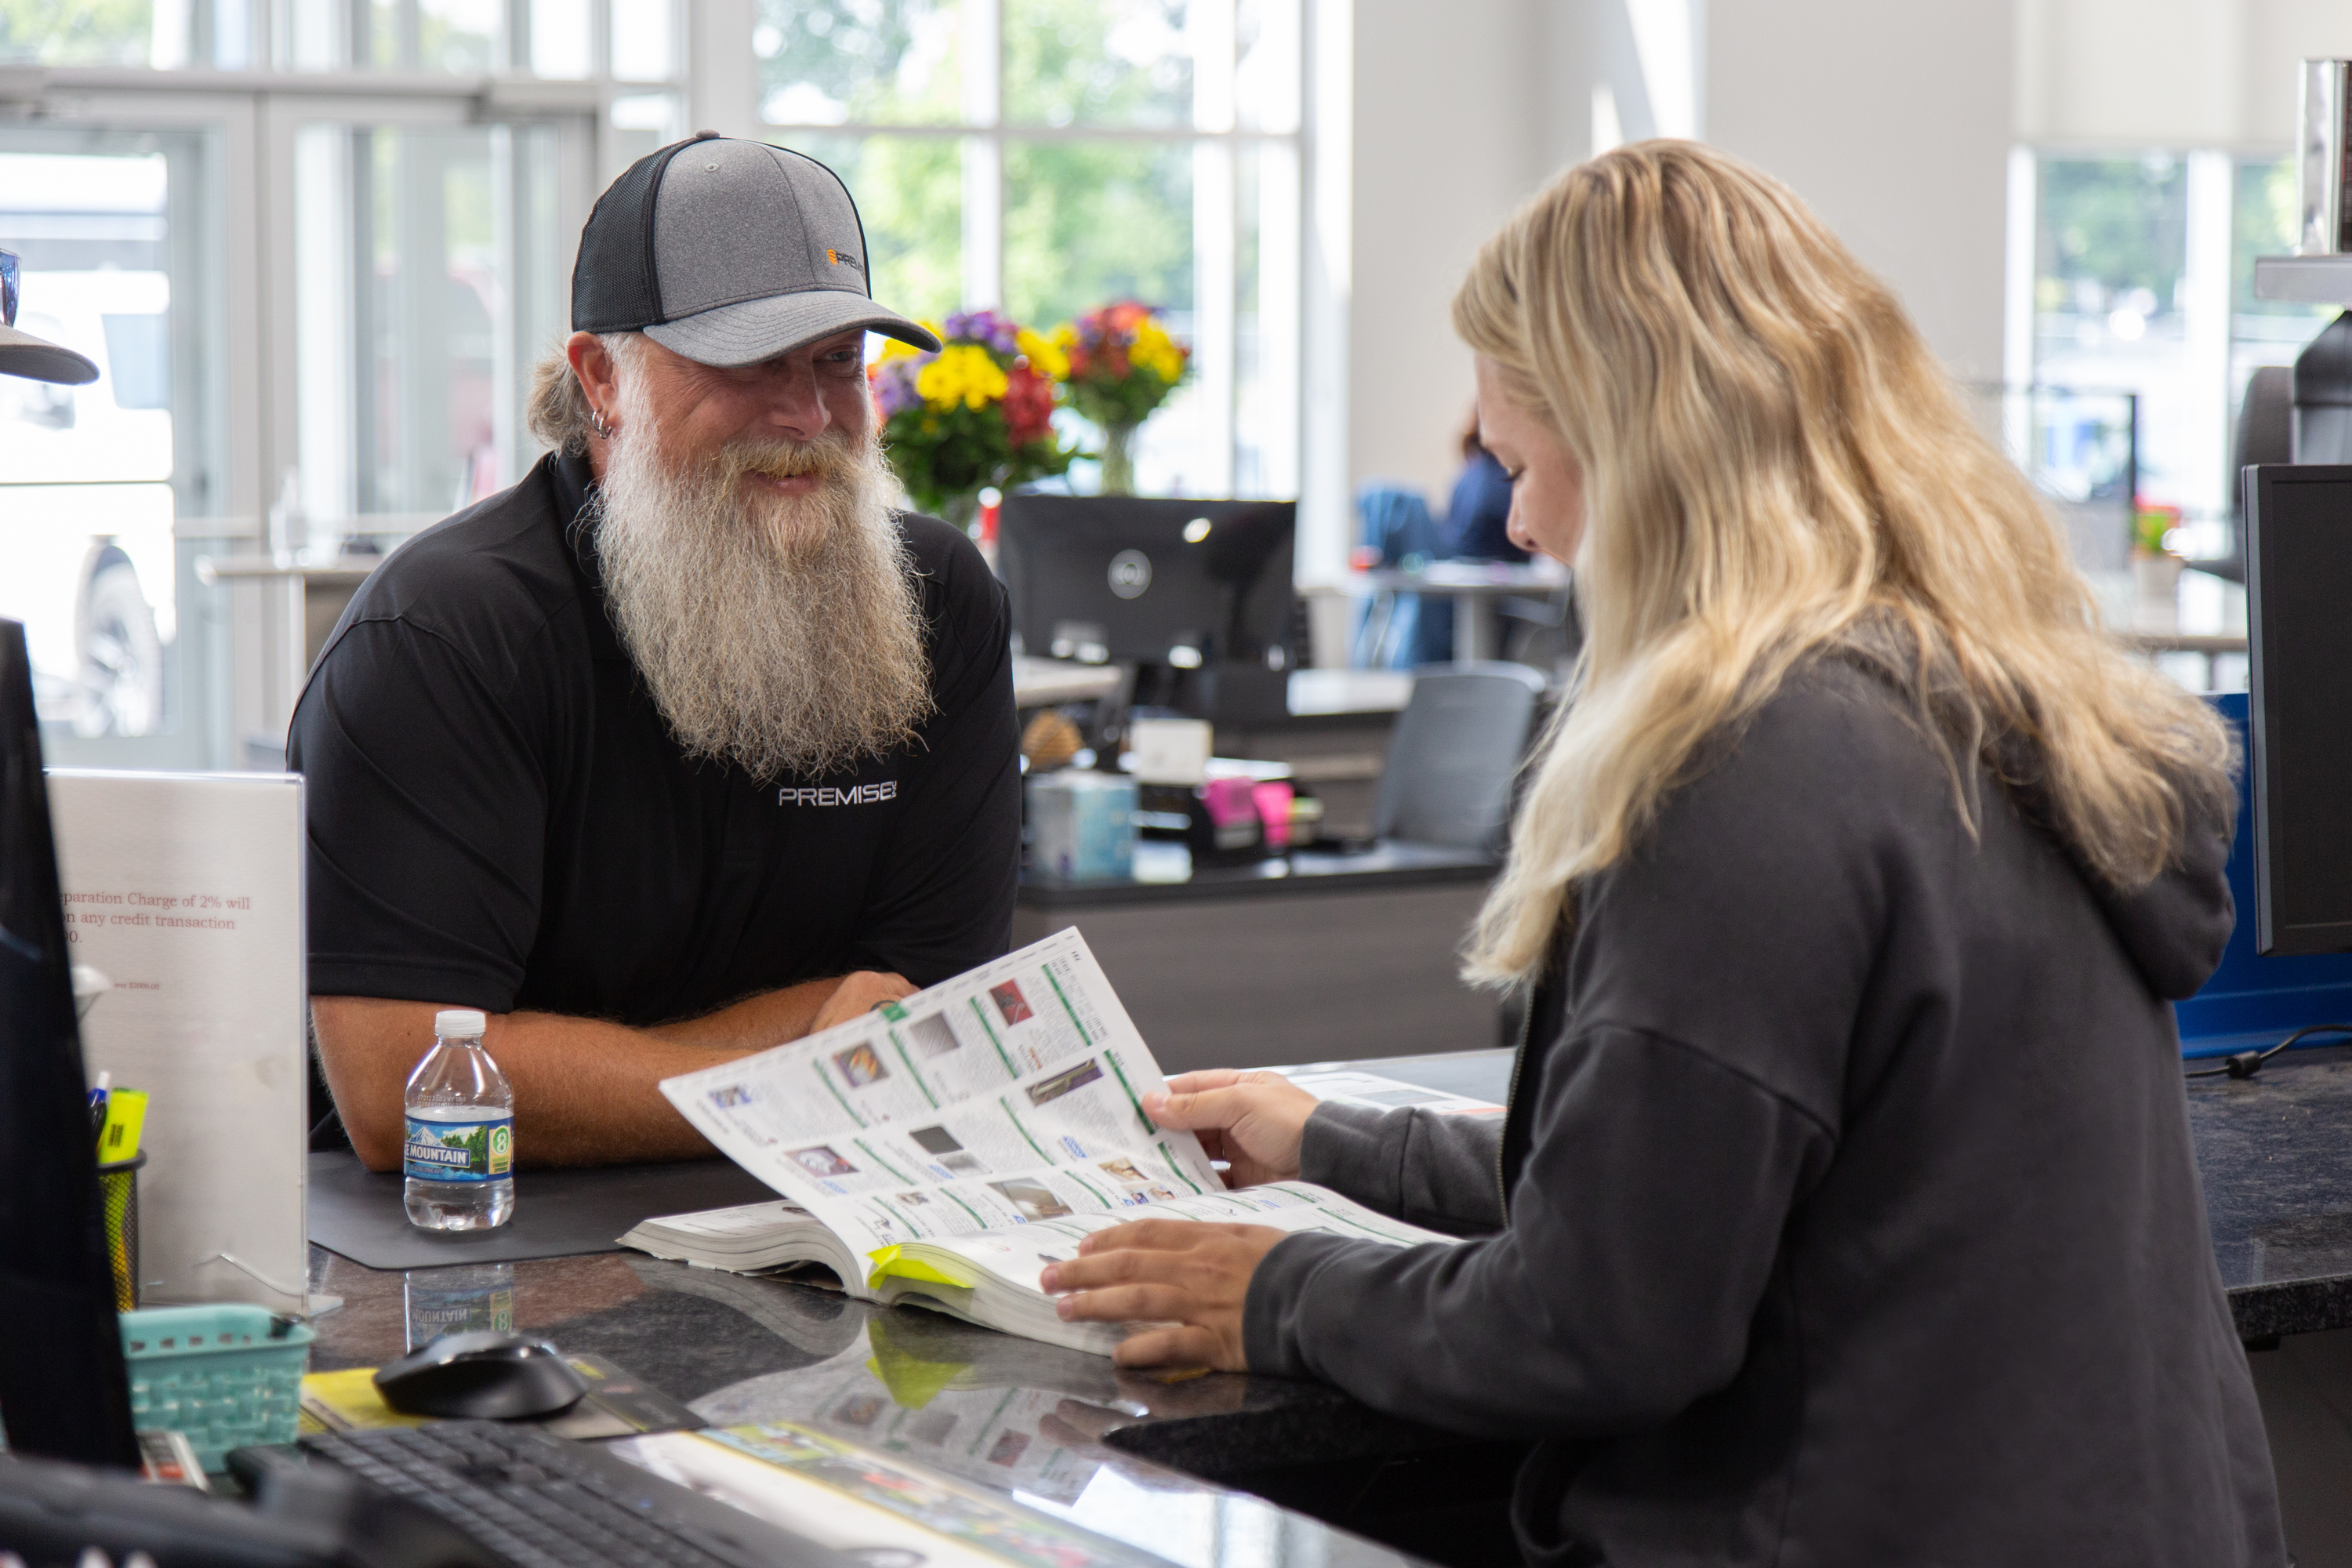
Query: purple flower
x=894, y=386
x=988, y=327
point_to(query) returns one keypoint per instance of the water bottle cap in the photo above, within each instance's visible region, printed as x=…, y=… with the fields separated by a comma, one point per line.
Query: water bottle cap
x=459, y=1023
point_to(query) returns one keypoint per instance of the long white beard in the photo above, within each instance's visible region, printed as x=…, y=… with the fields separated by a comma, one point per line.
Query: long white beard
x=784, y=634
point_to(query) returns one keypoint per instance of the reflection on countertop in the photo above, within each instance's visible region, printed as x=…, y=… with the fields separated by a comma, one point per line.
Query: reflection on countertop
x=1119, y=1452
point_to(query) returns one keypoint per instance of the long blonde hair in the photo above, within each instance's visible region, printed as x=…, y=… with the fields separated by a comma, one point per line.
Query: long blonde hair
x=1776, y=465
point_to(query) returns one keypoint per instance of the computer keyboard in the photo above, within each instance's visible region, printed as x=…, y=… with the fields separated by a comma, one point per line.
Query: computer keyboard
x=542, y=1502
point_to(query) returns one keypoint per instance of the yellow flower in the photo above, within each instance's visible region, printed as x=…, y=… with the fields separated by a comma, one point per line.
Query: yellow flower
x=893, y=349
x=1045, y=357
x=962, y=374
x=1155, y=350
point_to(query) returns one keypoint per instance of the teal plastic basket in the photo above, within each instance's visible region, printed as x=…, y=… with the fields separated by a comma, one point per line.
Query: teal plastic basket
x=224, y=1374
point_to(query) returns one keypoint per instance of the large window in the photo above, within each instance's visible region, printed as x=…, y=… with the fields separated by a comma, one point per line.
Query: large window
x=313, y=246
x=2143, y=282
x=1047, y=156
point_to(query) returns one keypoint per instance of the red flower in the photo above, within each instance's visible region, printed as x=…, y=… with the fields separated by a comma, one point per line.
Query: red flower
x=1028, y=406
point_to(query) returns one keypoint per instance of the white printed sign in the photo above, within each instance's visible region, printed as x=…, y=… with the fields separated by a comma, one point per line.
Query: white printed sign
x=186, y=890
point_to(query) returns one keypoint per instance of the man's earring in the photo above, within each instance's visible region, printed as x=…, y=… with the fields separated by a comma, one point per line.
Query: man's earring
x=596, y=423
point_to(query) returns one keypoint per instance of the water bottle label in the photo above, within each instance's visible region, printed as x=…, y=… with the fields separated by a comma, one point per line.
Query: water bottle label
x=460, y=1151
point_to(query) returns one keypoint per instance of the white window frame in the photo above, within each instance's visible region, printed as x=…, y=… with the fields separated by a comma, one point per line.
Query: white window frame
x=256, y=114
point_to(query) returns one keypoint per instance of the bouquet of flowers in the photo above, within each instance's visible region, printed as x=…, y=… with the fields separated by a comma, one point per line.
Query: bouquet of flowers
x=976, y=413
x=1122, y=365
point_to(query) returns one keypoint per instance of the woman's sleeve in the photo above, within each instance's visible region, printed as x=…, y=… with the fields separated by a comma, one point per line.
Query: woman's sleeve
x=1444, y=1172
x=1642, y=1236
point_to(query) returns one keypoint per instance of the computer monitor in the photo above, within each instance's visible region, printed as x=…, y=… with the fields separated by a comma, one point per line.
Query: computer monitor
x=1169, y=586
x=2298, y=582
x=63, y=1389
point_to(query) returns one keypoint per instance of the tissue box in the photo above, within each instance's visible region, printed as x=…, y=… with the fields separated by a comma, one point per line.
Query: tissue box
x=1082, y=827
x=1168, y=750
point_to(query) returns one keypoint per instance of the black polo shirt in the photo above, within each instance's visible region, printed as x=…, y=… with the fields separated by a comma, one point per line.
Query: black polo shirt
x=499, y=818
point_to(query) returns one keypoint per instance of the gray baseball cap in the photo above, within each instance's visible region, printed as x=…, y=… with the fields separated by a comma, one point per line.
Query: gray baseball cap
x=728, y=252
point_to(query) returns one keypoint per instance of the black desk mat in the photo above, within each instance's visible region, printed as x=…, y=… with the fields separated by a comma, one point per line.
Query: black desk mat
x=558, y=1214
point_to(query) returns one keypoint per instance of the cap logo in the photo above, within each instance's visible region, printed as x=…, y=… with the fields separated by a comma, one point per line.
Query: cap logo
x=841, y=259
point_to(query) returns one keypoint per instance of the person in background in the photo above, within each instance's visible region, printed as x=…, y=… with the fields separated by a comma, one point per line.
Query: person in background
x=1478, y=514
x=691, y=743
x=1845, y=1210
x=1475, y=528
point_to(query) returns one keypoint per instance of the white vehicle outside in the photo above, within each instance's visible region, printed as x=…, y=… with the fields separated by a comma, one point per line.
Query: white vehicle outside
x=87, y=553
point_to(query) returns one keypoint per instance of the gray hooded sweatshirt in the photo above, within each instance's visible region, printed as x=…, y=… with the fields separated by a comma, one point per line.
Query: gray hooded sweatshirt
x=1852, y=1213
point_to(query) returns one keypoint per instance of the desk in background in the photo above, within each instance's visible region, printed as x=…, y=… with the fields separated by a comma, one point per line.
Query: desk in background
x=1475, y=586
x=1335, y=741
x=1315, y=695
x=2213, y=646
x=1050, y=682
x=1320, y=955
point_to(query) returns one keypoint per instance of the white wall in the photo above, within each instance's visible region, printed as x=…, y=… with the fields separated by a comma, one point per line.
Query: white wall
x=1893, y=122
x=2167, y=73
x=1448, y=101
x=1892, y=119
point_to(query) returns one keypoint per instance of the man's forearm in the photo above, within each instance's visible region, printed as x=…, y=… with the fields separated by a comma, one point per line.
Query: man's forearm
x=757, y=1022
x=590, y=1092
x=585, y=1090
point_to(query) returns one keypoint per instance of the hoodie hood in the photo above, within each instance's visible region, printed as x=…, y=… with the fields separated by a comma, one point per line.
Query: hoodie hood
x=2179, y=924
x=2176, y=927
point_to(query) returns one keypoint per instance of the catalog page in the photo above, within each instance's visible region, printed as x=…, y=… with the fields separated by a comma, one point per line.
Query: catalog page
x=1020, y=1256
x=1010, y=1094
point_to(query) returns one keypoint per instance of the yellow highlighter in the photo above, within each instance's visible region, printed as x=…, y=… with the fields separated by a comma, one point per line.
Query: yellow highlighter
x=126, y=1115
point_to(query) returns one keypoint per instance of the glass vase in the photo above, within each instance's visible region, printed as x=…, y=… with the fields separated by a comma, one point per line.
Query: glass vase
x=1118, y=460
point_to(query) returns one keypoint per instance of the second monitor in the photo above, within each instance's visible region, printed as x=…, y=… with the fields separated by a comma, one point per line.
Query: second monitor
x=1196, y=595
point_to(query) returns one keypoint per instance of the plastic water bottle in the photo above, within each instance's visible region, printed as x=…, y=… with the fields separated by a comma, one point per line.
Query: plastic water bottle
x=458, y=1155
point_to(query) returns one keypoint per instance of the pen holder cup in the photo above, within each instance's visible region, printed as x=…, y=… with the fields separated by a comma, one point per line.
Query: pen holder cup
x=226, y=1375
x=118, y=1189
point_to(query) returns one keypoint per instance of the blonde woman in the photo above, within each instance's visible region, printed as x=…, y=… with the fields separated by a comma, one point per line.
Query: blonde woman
x=1845, y=1210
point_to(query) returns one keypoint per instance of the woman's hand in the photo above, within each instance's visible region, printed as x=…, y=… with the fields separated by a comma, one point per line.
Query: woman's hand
x=1188, y=1274
x=1252, y=1120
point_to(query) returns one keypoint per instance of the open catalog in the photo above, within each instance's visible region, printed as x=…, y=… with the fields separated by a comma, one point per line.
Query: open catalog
x=943, y=1150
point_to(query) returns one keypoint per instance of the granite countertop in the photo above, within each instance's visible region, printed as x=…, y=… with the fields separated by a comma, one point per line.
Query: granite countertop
x=1133, y=1456
x=2275, y=1150
x=1139, y=1457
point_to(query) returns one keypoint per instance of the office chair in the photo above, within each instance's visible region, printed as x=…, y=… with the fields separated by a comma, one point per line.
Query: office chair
x=1455, y=755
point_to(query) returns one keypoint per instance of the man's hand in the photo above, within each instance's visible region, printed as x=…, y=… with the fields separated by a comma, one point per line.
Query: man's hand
x=859, y=992
x=1188, y=1274
x=1252, y=1121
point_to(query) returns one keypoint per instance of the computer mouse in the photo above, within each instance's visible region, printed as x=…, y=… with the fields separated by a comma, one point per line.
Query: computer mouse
x=482, y=1376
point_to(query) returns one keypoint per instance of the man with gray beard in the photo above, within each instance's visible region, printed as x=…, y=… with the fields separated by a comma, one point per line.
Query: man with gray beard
x=691, y=743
